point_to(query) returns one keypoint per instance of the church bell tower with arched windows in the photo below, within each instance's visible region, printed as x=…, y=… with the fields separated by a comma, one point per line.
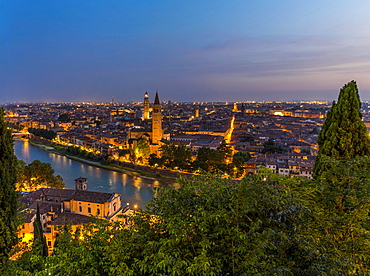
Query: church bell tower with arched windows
x=157, y=131
x=146, y=106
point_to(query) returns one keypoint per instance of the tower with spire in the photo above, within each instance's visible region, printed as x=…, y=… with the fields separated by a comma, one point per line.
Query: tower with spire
x=157, y=131
x=146, y=106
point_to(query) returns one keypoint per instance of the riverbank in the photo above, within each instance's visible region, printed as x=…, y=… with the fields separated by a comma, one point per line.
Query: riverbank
x=130, y=169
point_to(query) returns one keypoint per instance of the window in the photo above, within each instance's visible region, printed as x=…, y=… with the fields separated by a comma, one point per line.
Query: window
x=89, y=210
x=98, y=211
x=80, y=208
x=49, y=243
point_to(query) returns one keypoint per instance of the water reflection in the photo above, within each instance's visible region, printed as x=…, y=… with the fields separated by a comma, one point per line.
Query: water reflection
x=25, y=151
x=124, y=179
x=134, y=190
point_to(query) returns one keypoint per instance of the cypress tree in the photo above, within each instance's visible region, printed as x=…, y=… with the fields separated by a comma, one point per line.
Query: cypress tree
x=39, y=240
x=343, y=135
x=8, y=195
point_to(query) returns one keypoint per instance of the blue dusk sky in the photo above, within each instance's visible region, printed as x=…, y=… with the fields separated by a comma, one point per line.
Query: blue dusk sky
x=189, y=50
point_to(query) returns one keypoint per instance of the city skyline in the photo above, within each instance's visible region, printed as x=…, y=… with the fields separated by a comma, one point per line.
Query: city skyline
x=190, y=51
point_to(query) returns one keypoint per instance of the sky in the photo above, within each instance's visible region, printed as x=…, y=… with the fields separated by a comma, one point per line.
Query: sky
x=219, y=50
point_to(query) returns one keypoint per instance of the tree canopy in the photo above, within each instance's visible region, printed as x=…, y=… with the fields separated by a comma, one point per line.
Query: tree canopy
x=265, y=224
x=44, y=133
x=270, y=147
x=36, y=174
x=64, y=117
x=8, y=195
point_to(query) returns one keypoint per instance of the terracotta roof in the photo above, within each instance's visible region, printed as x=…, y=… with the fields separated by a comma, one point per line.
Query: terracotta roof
x=71, y=218
x=43, y=195
x=95, y=197
x=62, y=193
x=46, y=206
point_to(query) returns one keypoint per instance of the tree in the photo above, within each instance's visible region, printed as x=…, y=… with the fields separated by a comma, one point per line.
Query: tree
x=183, y=152
x=39, y=240
x=175, y=151
x=343, y=135
x=239, y=160
x=226, y=151
x=174, y=156
x=246, y=137
x=209, y=155
x=47, y=134
x=342, y=191
x=213, y=227
x=167, y=149
x=305, y=151
x=154, y=160
x=142, y=150
x=38, y=173
x=64, y=117
x=271, y=147
x=8, y=195
x=341, y=204
x=261, y=225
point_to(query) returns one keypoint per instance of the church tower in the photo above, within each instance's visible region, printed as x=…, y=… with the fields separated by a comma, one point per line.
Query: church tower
x=146, y=106
x=157, y=132
x=81, y=183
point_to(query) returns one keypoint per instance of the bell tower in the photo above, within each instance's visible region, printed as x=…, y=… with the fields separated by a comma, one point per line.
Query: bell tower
x=157, y=132
x=81, y=183
x=146, y=106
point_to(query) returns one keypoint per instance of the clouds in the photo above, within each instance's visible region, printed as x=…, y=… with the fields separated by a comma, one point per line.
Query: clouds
x=194, y=50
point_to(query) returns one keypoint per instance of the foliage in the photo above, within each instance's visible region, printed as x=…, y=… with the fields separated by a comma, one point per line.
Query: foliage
x=64, y=117
x=265, y=224
x=153, y=160
x=271, y=147
x=15, y=126
x=78, y=151
x=343, y=135
x=44, y=133
x=305, y=151
x=8, y=195
x=342, y=206
x=246, y=137
x=141, y=150
x=87, y=251
x=209, y=155
x=208, y=160
x=37, y=173
x=172, y=156
x=39, y=240
x=239, y=160
x=124, y=152
x=175, y=151
x=342, y=192
x=226, y=152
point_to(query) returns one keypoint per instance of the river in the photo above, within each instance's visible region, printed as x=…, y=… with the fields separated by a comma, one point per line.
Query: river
x=133, y=190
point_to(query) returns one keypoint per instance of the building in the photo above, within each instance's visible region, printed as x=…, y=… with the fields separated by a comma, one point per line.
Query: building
x=146, y=106
x=157, y=131
x=66, y=206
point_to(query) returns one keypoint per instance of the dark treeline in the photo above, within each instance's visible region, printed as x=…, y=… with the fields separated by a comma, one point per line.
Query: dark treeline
x=265, y=224
x=44, y=133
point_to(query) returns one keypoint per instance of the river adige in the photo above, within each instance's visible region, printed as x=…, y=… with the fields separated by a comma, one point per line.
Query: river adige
x=134, y=190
